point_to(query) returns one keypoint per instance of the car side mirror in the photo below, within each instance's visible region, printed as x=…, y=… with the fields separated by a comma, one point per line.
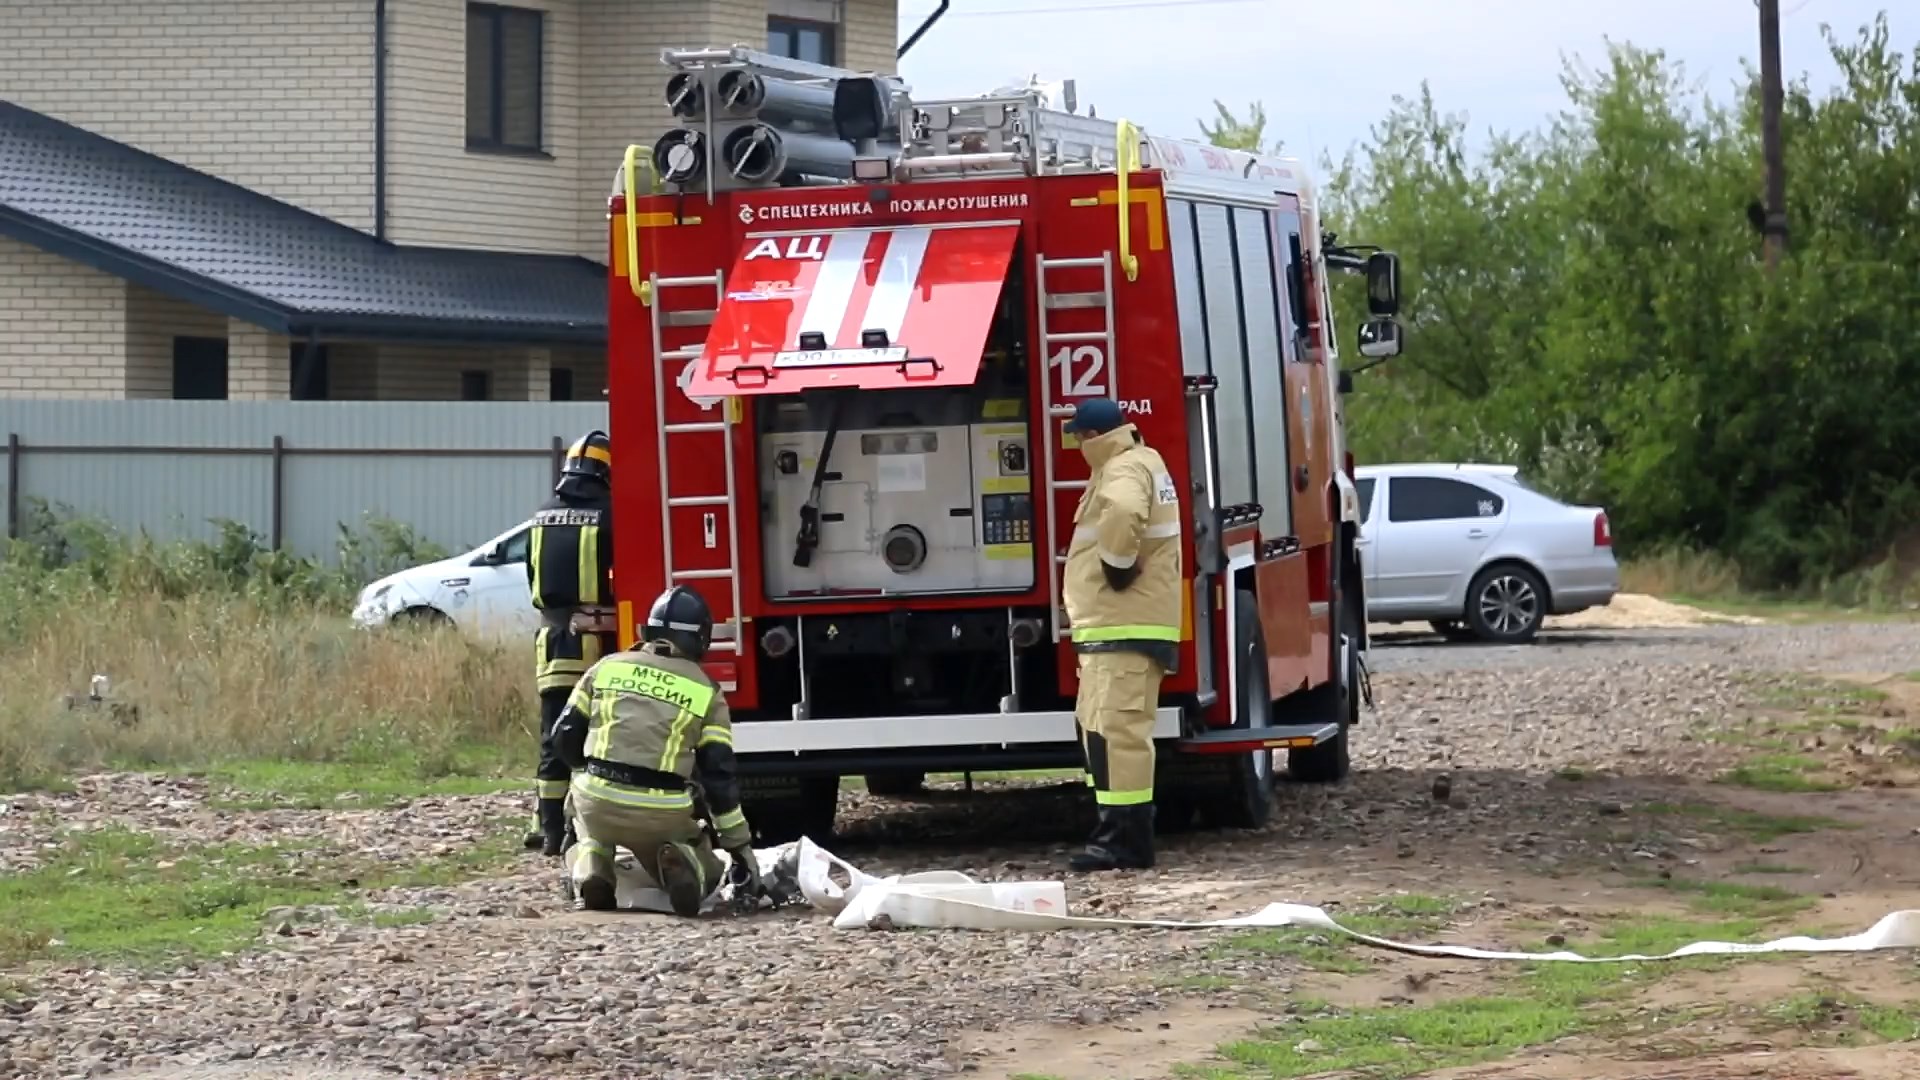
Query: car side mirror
x=1344, y=383
x=1383, y=284
x=493, y=556
x=1380, y=339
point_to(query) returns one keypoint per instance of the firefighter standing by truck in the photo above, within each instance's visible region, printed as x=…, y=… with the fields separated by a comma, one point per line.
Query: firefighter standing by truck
x=645, y=732
x=1122, y=593
x=570, y=573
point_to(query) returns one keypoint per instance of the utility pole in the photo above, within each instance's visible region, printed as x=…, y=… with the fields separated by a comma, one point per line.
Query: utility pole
x=1772, y=100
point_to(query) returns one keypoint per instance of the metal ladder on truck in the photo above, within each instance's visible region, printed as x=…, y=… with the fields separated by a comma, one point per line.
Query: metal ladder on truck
x=1050, y=301
x=688, y=435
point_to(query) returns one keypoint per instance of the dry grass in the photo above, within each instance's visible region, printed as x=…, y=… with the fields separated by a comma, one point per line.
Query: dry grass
x=216, y=678
x=1708, y=579
x=223, y=652
x=1678, y=572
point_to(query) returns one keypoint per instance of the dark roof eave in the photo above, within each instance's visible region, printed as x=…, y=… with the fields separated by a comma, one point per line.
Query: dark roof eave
x=143, y=270
x=384, y=328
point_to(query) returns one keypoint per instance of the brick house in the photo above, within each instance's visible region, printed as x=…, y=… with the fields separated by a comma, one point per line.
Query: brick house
x=337, y=199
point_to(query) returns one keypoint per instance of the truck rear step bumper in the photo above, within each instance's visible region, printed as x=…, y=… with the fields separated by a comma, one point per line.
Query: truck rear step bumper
x=1242, y=740
x=910, y=732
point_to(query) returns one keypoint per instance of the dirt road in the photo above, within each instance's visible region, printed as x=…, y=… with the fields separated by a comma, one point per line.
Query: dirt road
x=1582, y=810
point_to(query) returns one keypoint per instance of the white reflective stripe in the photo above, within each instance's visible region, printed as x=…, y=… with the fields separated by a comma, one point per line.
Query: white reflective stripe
x=833, y=285
x=1085, y=532
x=893, y=288
x=1118, y=562
x=687, y=626
x=1163, y=531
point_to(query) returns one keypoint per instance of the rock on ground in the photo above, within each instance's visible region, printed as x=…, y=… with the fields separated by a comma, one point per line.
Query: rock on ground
x=506, y=982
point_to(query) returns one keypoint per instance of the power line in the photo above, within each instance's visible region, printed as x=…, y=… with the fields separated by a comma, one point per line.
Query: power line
x=1130, y=5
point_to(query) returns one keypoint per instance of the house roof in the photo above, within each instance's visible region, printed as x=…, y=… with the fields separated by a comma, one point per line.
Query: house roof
x=233, y=250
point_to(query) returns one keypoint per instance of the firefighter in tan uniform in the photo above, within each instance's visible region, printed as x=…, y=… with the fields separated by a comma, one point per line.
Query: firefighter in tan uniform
x=570, y=574
x=1123, y=602
x=643, y=732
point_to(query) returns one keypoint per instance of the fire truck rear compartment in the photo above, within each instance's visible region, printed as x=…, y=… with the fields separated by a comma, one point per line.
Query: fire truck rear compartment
x=905, y=662
x=904, y=494
x=908, y=491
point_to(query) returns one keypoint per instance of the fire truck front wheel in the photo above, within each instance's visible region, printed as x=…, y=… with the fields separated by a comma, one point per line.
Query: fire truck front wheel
x=1331, y=761
x=1241, y=793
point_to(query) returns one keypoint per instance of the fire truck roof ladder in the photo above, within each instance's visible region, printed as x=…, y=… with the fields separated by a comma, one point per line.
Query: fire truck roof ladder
x=1069, y=341
x=1007, y=133
x=727, y=632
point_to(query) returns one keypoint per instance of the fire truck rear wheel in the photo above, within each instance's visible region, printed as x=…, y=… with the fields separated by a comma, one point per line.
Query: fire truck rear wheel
x=782, y=809
x=896, y=783
x=1242, y=795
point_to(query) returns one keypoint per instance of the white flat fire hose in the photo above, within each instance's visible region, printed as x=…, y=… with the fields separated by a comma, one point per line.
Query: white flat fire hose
x=949, y=900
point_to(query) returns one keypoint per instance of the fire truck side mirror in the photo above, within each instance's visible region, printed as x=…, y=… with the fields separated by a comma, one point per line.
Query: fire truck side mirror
x=1383, y=284
x=1379, y=339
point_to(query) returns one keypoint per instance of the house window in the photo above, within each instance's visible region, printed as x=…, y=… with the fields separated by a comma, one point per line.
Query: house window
x=307, y=375
x=476, y=386
x=560, y=384
x=199, y=369
x=802, y=39
x=504, y=75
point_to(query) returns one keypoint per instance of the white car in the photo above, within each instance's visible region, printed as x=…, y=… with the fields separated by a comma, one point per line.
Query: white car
x=1474, y=551
x=483, y=592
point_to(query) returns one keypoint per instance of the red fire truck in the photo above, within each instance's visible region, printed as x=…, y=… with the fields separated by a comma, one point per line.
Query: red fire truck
x=845, y=329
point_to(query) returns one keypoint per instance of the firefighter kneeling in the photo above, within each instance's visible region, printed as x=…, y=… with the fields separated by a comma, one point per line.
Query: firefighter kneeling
x=1122, y=593
x=642, y=729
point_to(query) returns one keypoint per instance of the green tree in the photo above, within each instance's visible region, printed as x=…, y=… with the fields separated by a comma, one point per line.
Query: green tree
x=1235, y=133
x=1585, y=301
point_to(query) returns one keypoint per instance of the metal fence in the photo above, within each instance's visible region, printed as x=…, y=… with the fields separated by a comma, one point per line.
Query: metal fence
x=458, y=472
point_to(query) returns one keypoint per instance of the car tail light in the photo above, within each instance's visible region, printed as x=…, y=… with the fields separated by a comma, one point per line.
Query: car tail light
x=1602, y=532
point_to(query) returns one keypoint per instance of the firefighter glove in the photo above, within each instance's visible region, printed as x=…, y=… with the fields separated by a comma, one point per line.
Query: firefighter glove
x=748, y=884
x=1118, y=579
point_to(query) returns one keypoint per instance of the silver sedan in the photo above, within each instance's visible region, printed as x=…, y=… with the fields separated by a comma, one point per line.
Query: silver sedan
x=1476, y=552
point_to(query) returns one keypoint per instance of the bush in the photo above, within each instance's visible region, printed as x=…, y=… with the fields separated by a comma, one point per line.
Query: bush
x=228, y=649
x=1588, y=301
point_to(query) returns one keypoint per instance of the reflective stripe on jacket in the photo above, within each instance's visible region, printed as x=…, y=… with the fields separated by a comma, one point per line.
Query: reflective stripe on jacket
x=570, y=555
x=1129, y=516
x=651, y=710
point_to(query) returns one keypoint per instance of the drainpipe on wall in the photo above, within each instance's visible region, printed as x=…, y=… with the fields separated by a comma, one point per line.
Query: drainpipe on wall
x=914, y=37
x=301, y=378
x=380, y=119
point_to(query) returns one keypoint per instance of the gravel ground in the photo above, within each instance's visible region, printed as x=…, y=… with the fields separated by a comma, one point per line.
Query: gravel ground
x=506, y=982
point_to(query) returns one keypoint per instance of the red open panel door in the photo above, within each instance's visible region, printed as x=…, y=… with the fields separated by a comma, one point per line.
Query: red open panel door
x=876, y=309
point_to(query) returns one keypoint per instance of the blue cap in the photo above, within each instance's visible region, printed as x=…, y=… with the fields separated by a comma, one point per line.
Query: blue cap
x=1095, y=416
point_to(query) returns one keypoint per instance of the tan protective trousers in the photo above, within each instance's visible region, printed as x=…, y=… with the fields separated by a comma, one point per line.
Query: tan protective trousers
x=1119, y=694
x=601, y=826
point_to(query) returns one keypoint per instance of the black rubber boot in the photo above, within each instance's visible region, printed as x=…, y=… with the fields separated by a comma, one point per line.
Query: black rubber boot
x=680, y=877
x=533, y=840
x=1122, y=841
x=597, y=894
x=553, y=826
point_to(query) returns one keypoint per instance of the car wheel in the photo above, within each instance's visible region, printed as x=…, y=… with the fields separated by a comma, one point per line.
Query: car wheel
x=422, y=617
x=1506, y=604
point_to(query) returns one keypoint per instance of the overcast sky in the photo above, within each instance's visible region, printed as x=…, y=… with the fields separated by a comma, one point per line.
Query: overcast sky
x=1327, y=70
